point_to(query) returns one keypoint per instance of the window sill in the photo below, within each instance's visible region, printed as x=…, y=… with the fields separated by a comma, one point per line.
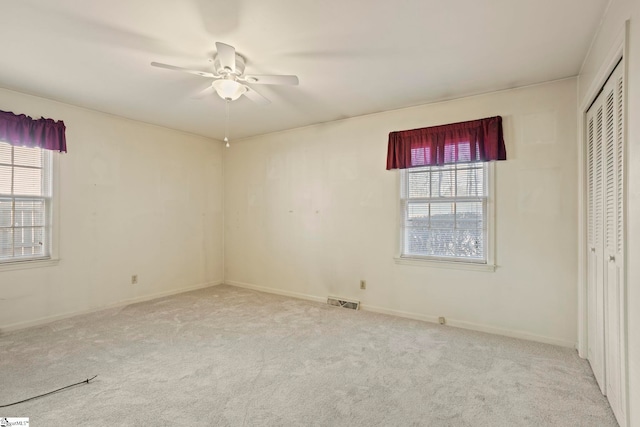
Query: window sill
x=22, y=265
x=445, y=264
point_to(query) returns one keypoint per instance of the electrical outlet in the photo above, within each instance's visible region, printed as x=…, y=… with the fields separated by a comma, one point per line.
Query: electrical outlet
x=442, y=320
x=134, y=279
x=363, y=284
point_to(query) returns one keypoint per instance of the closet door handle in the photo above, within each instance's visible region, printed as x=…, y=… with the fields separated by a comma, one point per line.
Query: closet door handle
x=593, y=249
x=612, y=258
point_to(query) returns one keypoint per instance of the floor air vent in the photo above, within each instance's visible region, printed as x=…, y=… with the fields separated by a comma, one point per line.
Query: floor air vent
x=339, y=302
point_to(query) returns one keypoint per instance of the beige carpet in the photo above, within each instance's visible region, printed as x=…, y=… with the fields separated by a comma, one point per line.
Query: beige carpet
x=229, y=356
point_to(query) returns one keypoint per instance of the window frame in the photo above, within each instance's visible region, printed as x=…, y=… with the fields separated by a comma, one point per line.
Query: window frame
x=450, y=262
x=52, y=258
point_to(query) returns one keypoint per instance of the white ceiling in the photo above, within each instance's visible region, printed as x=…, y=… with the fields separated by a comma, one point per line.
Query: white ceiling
x=353, y=57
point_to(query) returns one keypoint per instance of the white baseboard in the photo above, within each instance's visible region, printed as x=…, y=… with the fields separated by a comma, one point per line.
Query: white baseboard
x=510, y=333
x=365, y=307
x=417, y=316
x=121, y=303
x=275, y=291
x=399, y=313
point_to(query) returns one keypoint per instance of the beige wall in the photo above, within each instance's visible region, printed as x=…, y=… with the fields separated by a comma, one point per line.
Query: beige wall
x=134, y=199
x=612, y=25
x=311, y=211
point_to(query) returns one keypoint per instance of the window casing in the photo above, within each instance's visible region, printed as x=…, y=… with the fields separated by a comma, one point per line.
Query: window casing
x=445, y=213
x=25, y=203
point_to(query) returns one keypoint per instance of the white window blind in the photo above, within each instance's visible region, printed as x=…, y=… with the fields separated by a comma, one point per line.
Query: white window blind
x=25, y=203
x=444, y=212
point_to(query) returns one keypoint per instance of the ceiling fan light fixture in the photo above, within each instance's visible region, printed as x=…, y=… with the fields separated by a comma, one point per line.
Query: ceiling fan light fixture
x=228, y=76
x=229, y=89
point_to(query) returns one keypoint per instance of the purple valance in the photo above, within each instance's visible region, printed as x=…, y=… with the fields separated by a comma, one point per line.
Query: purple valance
x=18, y=129
x=473, y=141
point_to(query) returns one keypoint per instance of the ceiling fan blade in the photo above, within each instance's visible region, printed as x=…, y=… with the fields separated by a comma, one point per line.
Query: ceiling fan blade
x=227, y=56
x=256, y=97
x=186, y=70
x=271, y=80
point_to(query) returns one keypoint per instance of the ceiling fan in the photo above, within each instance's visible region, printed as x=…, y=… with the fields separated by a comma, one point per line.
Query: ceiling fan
x=229, y=78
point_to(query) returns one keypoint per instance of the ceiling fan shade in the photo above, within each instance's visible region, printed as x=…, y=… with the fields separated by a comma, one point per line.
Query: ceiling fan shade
x=229, y=89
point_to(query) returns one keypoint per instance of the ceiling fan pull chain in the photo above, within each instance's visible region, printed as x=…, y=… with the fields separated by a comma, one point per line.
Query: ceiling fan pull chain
x=226, y=123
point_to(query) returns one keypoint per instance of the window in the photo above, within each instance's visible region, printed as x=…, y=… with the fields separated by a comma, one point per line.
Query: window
x=445, y=212
x=25, y=203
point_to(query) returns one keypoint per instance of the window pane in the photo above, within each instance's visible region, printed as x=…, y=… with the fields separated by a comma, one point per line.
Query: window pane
x=28, y=241
x=5, y=153
x=418, y=211
x=469, y=224
x=469, y=215
x=27, y=182
x=417, y=241
x=470, y=182
x=443, y=183
x=469, y=243
x=24, y=156
x=5, y=212
x=443, y=242
x=6, y=242
x=29, y=213
x=442, y=215
x=5, y=179
x=419, y=184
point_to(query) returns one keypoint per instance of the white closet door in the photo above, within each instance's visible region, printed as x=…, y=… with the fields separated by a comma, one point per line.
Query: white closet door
x=596, y=303
x=614, y=244
x=605, y=239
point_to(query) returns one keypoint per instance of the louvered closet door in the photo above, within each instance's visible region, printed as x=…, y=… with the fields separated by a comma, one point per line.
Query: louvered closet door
x=606, y=222
x=614, y=243
x=596, y=303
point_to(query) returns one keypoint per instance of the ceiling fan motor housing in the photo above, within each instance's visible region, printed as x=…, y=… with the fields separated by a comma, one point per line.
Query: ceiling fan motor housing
x=223, y=72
